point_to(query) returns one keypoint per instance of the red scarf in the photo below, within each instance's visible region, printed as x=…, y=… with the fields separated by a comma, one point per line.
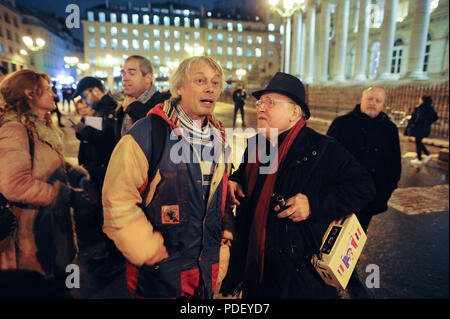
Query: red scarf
x=254, y=267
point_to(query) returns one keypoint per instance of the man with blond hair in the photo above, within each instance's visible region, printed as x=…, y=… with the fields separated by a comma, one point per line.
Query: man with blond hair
x=171, y=223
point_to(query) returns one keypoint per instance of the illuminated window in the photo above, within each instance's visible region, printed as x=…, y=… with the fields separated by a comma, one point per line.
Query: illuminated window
x=196, y=35
x=135, y=33
x=176, y=34
x=239, y=51
x=146, y=45
x=239, y=27
x=157, y=45
x=167, y=46
x=271, y=27
x=229, y=65
x=239, y=38
x=230, y=26
x=92, y=43
x=249, y=39
x=259, y=39
x=249, y=52
x=103, y=43
x=125, y=45
x=176, y=21
x=114, y=44
x=230, y=38
x=210, y=37
x=271, y=38
x=90, y=16
x=91, y=29
x=196, y=23
x=166, y=21
x=210, y=25
x=124, y=31
x=113, y=18
x=124, y=18
x=157, y=61
x=156, y=33
x=135, y=44
x=146, y=33
x=258, y=52
x=113, y=31
x=187, y=36
x=187, y=22
x=177, y=46
x=146, y=19
x=156, y=20
x=220, y=37
x=135, y=18
x=230, y=51
x=219, y=51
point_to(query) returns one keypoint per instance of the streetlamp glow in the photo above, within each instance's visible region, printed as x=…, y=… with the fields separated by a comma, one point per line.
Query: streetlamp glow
x=289, y=8
x=33, y=45
x=71, y=60
x=83, y=66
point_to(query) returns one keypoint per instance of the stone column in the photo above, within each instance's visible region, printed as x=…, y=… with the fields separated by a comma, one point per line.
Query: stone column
x=418, y=40
x=324, y=41
x=362, y=38
x=287, y=46
x=387, y=40
x=310, y=27
x=341, y=40
x=297, y=57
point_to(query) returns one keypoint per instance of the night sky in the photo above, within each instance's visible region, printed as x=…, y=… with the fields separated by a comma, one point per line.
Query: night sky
x=59, y=7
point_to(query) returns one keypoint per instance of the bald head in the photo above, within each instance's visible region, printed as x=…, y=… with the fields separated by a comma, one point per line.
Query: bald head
x=373, y=101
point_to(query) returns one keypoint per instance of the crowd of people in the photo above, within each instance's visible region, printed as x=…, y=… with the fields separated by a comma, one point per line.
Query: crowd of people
x=180, y=228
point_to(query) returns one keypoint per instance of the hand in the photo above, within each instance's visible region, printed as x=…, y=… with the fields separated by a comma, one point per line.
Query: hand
x=233, y=190
x=298, y=208
x=128, y=100
x=78, y=127
x=160, y=255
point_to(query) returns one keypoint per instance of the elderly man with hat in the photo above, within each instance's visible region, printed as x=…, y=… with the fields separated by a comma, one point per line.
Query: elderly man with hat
x=284, y=211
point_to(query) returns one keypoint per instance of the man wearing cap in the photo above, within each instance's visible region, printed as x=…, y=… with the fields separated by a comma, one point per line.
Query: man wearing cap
x=316, y=179
x=140, y=93
x=96, y=145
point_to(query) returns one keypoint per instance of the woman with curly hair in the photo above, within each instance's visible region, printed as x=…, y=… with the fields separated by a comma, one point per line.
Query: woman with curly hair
x=35, y=179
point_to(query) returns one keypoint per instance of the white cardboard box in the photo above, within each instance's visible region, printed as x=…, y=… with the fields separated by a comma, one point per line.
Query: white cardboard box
x=341, y=247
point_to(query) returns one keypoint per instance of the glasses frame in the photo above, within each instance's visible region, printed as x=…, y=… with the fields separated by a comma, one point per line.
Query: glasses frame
x=272, y=103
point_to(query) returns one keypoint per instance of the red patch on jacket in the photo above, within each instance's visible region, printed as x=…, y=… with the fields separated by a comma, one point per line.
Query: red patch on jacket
x=170, y=214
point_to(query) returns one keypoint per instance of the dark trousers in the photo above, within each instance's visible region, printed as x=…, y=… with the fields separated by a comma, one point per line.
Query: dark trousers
x=420, y=147
x=241, y=108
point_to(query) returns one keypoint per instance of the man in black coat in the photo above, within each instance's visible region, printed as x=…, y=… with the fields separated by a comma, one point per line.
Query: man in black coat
x=317, y=179
x=369, y=134
x=141, y=94
x=97, y=141
x=239, y=96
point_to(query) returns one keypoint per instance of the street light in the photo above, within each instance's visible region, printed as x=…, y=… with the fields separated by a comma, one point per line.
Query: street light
x=33, y=45
x=240, y=73
x=289, y=6
x=71, y=60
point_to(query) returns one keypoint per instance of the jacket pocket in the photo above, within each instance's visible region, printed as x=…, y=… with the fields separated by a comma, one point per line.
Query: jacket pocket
x=161, y=280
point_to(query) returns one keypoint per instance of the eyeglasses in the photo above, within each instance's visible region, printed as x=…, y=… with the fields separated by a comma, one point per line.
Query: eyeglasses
x=270, y=103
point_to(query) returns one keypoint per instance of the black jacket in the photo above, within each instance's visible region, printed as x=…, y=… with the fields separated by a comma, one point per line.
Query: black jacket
x=239, y=96
x=96, y=146
x=136, y=111
x=336, y=185
x=375, y=144
x=421, y=119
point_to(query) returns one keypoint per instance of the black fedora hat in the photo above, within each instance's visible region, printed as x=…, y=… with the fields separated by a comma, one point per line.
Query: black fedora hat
x=288, y=85
x=86, y=83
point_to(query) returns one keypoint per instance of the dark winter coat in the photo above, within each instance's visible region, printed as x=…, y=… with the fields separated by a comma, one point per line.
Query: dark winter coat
x=421, y=119
x=375, y=144
x=239, y=96
x=336, y=185
x=97, y=145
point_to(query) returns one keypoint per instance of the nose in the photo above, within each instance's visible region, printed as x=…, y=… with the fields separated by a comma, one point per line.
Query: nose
x=209, y=87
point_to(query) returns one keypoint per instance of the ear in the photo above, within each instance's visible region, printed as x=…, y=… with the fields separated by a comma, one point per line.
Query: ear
x=149, y=79
x=29, y=94
x=296, y=113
